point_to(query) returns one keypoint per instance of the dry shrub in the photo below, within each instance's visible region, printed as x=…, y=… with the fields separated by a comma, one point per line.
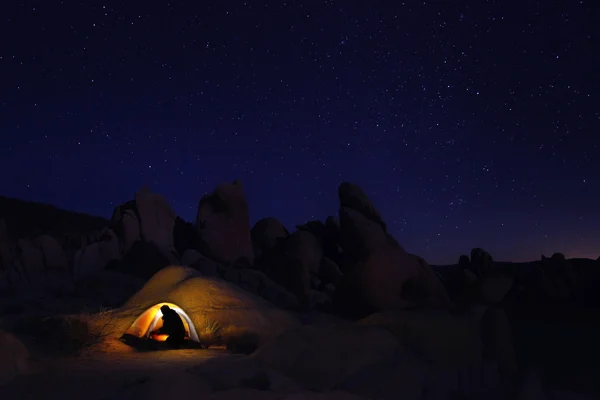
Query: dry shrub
x=209, y=333
x=236, y=339
x=70, y=335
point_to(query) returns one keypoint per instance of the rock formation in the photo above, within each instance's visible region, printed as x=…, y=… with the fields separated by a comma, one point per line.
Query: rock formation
x=384, y=276
x=223, y=224
x=481, y=261
x=349, y=264
x=266, y=234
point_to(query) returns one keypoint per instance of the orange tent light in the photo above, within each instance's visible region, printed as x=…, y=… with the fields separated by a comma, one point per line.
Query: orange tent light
x=151, y=320
x=159, y=337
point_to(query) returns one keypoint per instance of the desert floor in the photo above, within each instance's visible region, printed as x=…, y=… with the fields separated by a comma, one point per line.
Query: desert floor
x=116, y=375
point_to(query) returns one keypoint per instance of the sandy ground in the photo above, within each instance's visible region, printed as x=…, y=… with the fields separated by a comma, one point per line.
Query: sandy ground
x=105, y=375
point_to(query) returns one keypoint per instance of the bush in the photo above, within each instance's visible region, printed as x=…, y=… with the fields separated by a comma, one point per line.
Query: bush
x=237, y=340
x=210, y=333
x=69, y=335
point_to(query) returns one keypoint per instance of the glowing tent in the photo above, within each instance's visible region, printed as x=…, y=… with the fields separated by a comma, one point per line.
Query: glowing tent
x=151, y=319
x=201, y=302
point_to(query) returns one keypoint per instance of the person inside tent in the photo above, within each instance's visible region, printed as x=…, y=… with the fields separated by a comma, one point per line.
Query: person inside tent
x=172, y=326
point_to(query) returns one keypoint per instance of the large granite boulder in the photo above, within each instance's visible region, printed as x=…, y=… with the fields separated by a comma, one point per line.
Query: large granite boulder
x=223, y=224
x=385, y=276
x=266, y=234
x=125, y=222
x=96, y=256
x=157, y=219
x=481, y=262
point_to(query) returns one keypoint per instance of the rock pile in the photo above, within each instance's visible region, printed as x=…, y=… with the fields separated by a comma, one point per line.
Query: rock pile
x=348, y=263
x=351, y=258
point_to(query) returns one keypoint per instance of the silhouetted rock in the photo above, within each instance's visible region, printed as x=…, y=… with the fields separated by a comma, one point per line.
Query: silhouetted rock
x=260, y=284
x=360, y=236
x=329, y=272
x=390, y=278
x=464, y=262
x=266, y=234
x=96, y=256
x=143, y=259
x=294, y=261
x=353, y=197
x=157, y=221
x=53, y=255
x=184, y=236
x=384, y=272
x=125, y=222
x=31, y=261
x=201, y=263
x=317, y=228
x=149, y=218
x=223, y=224
x=481, y=262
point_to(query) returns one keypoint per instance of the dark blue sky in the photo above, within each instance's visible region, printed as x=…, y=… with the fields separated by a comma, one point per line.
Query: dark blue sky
x=468, y=123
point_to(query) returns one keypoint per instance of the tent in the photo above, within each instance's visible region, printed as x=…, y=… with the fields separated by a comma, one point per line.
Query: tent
x=203, y=303
x=151, y=319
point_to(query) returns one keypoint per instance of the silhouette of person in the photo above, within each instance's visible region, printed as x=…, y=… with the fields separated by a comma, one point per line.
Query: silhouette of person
x=172, y=326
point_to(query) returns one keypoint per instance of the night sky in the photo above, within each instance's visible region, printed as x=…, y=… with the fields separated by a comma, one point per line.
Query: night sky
x=468, y=123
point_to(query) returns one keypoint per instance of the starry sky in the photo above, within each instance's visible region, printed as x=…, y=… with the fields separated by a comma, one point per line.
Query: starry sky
x=472, y=123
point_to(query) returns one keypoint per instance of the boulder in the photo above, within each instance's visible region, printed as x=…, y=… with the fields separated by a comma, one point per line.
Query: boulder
x=293, y=263
x=260, y=284
x=464, y=262
x=223, y=224
x=96, y=256
x=359, y=235
x=200, y=263
x=330, y=272
x=184, y=236
x=31, y=261
x=125, y=222
x=53, y=255
x=266, y=234
x=304, y=246
x=353, y=197
x=316, y=227
x=481, y=262
x=131, y=230
x=390, y=278
x=142, y=260
x=157, y=219
x=331, y=247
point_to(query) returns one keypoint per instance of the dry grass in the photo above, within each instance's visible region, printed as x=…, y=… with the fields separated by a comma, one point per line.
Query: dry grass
x=69, y=335
x=210, y=333
x=236, y=339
